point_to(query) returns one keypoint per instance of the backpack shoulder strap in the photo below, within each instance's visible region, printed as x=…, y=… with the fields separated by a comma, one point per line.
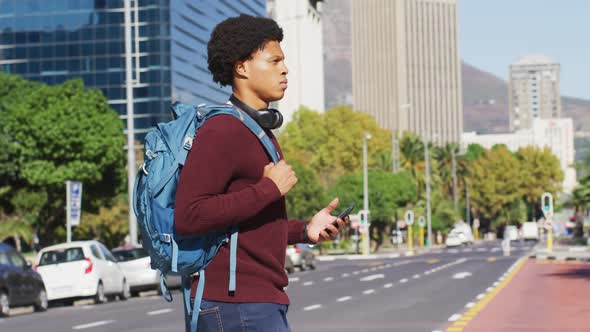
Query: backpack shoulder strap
x=211, y=111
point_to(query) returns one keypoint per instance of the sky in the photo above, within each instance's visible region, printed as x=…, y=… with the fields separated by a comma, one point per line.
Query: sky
x=495, y=33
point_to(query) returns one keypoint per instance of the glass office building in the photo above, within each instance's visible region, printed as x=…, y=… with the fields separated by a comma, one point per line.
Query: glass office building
x=55, y=40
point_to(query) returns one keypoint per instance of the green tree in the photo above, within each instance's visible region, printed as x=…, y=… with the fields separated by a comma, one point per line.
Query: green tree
x=110, y=225
x=540, y=172
x=308, y=196
x=494, y=183
x=50, y=134
x=331, y=143
x=387, y=193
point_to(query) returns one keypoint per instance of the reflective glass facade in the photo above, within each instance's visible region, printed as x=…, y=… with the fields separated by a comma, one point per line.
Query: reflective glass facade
x=55, y=40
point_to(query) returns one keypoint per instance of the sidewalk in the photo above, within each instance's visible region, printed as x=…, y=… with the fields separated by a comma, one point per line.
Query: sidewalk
x=568, y=253
x=543, y=295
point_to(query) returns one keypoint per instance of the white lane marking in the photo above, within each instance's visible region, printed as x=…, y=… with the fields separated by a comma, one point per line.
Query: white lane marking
x=403, y=281
x=461, y=275
x=453, y=251
x=308, y=283
x=293, y=279
x=454, y=317
x=159, y=312
x=355, y=272
x=94, y=324
x=365, y=270
x=394, y=256
x=495, y=249
x=388, y=285
x=496, y=284
x=344, y=298
x=328, y=279
x=467, y=250
x=373, y=277
x=373, y=269
x=416, y=276
x=369, y=291
x=480, y=296
x=344, y=275
x=482, y=249
x=387, y=265
x=489, y=289
x=469, y=305
x=437, y=251
x=312, y=307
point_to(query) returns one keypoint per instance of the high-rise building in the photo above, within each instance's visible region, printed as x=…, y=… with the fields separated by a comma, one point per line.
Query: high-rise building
x=406, y=66
x=533, y=91
x=301, y=21
x=55, y=40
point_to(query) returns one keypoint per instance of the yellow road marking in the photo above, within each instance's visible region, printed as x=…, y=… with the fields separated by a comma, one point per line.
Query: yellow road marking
x=433, y=261
x=492, y=259
x=462, y=322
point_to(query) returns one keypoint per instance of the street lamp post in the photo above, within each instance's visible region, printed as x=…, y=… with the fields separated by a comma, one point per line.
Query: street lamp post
x=365, y=235
x=129, y=84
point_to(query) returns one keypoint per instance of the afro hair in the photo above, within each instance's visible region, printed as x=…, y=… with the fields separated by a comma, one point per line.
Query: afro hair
x=236, y=39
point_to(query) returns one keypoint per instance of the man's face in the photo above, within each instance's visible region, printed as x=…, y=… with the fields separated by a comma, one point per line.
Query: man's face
x=267, y=72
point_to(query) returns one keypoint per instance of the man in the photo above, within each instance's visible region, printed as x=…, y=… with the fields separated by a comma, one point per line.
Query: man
x=227, y=180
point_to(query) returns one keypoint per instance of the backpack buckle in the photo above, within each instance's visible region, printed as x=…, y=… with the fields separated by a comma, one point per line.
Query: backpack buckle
x=165, y=238
x=188, y=142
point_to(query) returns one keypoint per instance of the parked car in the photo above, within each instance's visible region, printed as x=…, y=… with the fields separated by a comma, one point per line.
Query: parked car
x=289, y=268
x=455, y=239
x=135, y=263
x=81, y=269
x=302, y=256
x=20, y=285
x=530, y=231
x=464, y=228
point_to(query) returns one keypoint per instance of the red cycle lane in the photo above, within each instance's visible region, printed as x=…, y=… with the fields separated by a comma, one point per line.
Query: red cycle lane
x=542, y=296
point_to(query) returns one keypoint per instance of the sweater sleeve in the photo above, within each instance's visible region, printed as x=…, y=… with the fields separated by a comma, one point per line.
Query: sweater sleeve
x=202, y=204
x=296, y=231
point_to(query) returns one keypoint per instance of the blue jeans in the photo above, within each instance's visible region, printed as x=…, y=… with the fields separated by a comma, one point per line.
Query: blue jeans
x=242, y=317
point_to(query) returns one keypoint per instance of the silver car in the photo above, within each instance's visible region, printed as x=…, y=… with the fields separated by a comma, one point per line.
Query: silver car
x=135, y=263
x=302, y=256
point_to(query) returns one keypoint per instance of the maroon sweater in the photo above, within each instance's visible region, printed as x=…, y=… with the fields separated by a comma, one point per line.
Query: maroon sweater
x=222, y=185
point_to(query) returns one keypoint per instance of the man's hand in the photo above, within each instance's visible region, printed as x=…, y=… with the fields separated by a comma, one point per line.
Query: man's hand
x=282, y=175
x=322, y=220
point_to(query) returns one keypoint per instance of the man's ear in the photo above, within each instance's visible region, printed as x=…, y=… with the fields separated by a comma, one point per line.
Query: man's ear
x=241, y=69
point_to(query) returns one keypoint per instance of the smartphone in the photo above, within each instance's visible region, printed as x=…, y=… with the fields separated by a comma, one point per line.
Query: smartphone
x=340, y=216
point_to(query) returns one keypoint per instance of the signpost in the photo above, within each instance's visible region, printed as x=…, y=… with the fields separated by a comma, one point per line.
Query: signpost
x=476, y=229
x=409, y=217
x=421, y=223
x=547, y=207
x=73, y=206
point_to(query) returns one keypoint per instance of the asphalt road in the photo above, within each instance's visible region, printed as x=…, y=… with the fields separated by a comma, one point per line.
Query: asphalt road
x=419, y=293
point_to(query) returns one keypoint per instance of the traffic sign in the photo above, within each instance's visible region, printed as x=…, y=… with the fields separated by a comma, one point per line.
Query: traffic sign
x=74, y=202
x=409, y=217
x=421, y=221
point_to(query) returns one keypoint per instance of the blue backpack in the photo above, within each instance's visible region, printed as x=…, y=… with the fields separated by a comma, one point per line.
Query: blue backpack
x=166, y=148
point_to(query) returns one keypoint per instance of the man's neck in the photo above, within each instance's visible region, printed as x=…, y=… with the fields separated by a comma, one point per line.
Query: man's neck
x=250, y=99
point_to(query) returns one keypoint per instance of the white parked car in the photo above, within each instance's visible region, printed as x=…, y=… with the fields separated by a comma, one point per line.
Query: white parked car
x=135, y=263
x=530, y=231
x=81, y=269
x=455, y=239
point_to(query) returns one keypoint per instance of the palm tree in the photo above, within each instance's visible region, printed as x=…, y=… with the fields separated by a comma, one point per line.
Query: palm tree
x=16, y=227
x=412, y=158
